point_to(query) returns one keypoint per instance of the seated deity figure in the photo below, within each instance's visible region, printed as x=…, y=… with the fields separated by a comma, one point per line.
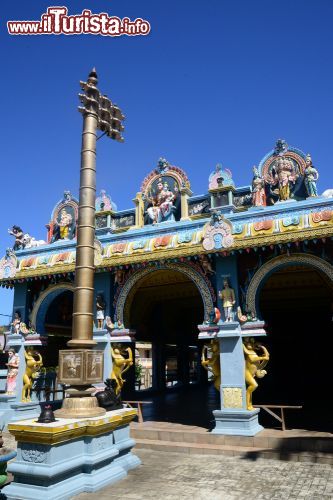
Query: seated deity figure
x=311, y=177
x=284, y=175
x=256, y=358
x=65, y=224
x=162, y=204
x=258, y=189
x=228, y=300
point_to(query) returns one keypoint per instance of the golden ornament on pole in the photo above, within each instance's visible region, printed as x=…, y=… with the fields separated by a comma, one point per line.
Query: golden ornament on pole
x=82, y=366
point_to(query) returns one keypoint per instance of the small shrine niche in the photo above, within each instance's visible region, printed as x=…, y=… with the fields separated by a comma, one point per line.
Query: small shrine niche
x=221, y=187
x=104, y=203
x=164, y=195
x=105, y=210
x=62, y=225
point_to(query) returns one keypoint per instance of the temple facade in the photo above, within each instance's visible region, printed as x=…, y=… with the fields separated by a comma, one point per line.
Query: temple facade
x=233, y=286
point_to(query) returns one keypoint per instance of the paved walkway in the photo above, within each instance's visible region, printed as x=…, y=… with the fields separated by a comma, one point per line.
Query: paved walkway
x=169, y=476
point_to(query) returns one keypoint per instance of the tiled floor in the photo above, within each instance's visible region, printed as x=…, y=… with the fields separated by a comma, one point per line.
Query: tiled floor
x=177, y=476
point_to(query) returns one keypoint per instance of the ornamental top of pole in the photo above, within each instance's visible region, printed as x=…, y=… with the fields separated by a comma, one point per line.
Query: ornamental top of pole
x=109, y=116
x=92, y=78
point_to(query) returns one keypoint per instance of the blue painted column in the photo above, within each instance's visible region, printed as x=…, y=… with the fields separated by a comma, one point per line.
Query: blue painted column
x=232, y=417
x=103, y=286
x=11, y=406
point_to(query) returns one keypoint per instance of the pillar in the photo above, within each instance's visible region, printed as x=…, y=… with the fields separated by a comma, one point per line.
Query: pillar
x=185, y=193
x=139, y=210
x=233, y=417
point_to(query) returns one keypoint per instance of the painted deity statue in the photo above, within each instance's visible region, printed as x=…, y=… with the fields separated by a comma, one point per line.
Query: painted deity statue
x=162, y=204
x=256, y=358
x=120, y=365
x=284, y=175
x=311, y=177
x=16, y=323
x=211, y=362
x=13, y=368
x=228, y=300
x=258, y=189
x=100, y=311
x=32, y=368
x=65, y=223
x=18, y=234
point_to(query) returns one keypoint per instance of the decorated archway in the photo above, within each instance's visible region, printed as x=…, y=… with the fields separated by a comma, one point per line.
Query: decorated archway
x=43, y=302
x=201, y=282
x=267, y=269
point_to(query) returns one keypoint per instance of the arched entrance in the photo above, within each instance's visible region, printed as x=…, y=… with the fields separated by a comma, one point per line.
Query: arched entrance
x=295, y=300
x=52, y=315
x=164, y=308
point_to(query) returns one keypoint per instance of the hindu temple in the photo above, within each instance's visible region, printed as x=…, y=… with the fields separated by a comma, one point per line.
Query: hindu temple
x=211, y=303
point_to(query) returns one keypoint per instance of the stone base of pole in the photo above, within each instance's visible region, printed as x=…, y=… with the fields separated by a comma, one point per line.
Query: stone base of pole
x=80, y=368
x=80, y=403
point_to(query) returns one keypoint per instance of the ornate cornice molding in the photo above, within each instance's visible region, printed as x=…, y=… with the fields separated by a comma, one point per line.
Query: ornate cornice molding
x=185, y=250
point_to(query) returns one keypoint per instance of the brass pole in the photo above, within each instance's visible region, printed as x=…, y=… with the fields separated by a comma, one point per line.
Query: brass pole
x=82, y=329
x=75, y=366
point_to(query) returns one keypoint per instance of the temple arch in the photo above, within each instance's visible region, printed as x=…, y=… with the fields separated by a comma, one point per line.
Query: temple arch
x=267, y=269
x=43, y=302
x=128, y=290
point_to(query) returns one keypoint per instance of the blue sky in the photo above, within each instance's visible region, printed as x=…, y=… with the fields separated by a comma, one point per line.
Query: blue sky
x=215, y=81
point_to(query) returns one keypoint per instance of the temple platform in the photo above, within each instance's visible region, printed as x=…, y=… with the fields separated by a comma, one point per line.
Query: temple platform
x=294, y=444
x=69, y=456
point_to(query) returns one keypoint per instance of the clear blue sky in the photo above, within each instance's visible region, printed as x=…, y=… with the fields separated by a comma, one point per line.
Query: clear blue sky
x=215, y=81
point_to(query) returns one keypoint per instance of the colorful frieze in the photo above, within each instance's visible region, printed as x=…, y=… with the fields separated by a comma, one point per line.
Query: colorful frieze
x=238, y=228
x=118, y=247
x=162, y=241
x=138, y=245
x=185, y=237
x=199, y=208
x=122, y=222
x=262, y=227
x=321, y=217
x=291, y=223
x=28, y=263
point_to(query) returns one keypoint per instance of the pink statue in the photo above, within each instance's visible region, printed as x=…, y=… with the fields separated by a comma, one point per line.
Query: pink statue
x=258, y=189
x=13, y=366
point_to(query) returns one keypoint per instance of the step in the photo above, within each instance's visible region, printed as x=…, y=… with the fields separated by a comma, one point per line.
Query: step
x=288, y=441
x=249, y=452
x=181, y=447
